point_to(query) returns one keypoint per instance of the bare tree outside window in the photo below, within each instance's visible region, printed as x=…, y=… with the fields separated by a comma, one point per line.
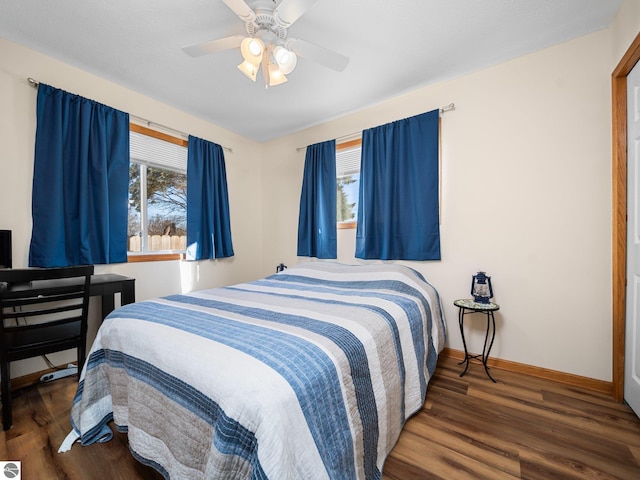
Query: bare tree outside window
x=346, y=204
x=165, y=207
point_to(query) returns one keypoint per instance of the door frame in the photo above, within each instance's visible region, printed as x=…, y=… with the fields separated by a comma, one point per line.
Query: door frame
x=619, y=191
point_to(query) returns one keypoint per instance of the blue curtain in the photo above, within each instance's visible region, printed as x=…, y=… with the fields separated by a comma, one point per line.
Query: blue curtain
x=208, y=224
x=317, y=220
x=80, y=182
x=398, y=209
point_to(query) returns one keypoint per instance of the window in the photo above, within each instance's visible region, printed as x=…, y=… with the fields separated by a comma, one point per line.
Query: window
x=157, y=194
x=348, y=182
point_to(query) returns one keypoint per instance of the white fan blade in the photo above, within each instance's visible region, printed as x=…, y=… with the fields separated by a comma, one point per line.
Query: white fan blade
x=291, y=10
x=241, y=9
x=213, y=46
x=318, y=54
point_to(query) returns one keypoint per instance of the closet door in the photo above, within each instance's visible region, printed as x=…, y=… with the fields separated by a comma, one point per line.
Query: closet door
x=632, y=328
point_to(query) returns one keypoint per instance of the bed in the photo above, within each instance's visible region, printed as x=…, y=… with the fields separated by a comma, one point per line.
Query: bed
x=310, y=373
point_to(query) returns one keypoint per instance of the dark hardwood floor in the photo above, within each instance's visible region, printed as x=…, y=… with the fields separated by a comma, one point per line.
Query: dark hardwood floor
x=521, y=427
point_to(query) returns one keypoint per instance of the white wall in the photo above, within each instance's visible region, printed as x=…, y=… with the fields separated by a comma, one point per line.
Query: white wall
x=17, y=133
x=625, y=27
x=526, y=196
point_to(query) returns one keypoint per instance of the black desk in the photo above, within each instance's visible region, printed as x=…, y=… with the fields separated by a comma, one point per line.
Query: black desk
x=104, y=285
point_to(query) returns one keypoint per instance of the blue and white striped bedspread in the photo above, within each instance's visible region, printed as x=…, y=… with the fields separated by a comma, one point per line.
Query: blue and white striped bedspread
x=307, y=374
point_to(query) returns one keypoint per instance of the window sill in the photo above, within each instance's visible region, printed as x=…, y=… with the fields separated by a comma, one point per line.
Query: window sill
x=155, y=257
x=347, y=225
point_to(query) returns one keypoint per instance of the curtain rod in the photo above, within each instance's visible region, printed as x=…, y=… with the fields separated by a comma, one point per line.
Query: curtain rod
x=35, y=83
x=445, y=109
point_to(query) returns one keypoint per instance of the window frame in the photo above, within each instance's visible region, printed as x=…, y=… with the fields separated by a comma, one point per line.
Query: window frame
x=146, y=256
x=349, y=144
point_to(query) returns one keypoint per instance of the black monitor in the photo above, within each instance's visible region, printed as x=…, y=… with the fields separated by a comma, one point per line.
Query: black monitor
x=5, y=249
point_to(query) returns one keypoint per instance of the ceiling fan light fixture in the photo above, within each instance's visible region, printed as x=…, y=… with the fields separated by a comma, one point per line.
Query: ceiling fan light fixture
x=252, y=49
x=276, y=77
x=286, y=59
x=249, y=69
x=267, y=42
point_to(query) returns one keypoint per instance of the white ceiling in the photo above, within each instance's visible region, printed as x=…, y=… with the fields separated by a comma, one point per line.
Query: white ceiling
x=393, y=46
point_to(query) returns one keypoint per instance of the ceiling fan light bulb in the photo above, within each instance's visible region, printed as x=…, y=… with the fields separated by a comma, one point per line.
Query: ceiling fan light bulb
x=281, y=54
x=254, y=47
x=286, y=59
x=251, y=50
x=250, y=70
x=276, y=77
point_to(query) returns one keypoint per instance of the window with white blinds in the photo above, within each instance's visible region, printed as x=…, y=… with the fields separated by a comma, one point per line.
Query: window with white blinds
x=154, y=152
x=157, y=193
x=348, y=182
x=348, y=161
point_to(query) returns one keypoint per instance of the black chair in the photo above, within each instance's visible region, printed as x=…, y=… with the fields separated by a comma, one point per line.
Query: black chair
x=42, y=310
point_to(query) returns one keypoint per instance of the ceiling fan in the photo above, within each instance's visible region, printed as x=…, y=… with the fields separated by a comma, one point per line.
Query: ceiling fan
x=267, y=42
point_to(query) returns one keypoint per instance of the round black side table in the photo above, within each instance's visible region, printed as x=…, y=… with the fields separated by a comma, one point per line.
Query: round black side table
x=467, y=306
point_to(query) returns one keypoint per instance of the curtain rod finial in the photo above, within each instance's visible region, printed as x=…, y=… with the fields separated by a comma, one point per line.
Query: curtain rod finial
x=448, y=108
x=32, y=82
